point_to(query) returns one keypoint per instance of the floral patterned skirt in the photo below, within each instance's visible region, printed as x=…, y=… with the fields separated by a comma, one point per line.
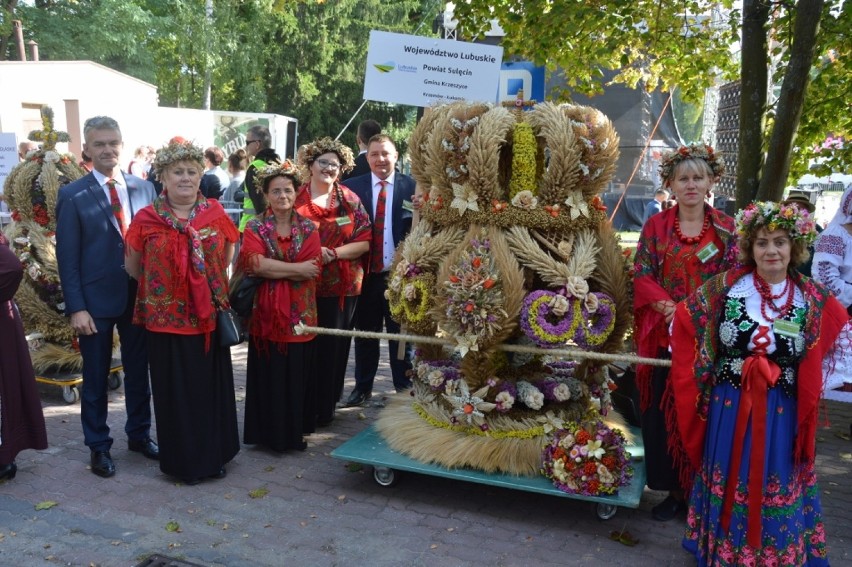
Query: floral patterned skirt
x=791, y=515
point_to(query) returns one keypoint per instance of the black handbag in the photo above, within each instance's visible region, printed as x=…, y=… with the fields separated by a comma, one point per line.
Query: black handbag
x=242, y=293
x=228, y=328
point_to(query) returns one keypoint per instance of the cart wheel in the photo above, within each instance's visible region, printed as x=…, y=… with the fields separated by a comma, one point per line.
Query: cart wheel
x=70, y=394
x=384, y=476
x=605, y=511
x=114, y=380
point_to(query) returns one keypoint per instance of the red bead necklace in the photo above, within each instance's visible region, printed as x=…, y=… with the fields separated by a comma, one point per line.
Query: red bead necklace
x=692, y=239
x=329, y=209
x=767, y=298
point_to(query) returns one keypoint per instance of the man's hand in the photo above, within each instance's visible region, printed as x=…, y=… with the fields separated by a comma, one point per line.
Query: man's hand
x=83, y=323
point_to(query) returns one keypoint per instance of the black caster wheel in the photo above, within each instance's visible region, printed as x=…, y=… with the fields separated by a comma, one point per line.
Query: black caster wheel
x=605, y=511
x=114, y=380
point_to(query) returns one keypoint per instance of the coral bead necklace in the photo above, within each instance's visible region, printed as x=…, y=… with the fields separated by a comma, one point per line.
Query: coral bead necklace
x=692, y=239
x=767, y=298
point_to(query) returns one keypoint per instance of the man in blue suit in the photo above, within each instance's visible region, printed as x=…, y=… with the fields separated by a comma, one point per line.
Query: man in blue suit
x=92, y=215
x=383, y=189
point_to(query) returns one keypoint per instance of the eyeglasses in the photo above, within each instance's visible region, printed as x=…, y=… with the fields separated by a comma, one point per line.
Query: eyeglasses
x=325, y=164
x=250, y=142
x=279, y=192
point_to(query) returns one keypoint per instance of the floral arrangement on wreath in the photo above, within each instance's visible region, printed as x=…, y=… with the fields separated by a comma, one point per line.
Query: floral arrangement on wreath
x=587, y=459
x=798, y=222
x=474, y=300
x=692, y=151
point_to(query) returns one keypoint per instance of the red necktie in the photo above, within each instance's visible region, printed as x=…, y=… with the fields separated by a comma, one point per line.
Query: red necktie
x=117, y=209
x=377, y=245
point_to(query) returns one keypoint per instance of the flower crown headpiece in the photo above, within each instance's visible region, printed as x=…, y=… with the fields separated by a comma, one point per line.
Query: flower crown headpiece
x=773, y=216
x=309, y=152
x=274, y=169
x=692, y=151
x=177, y=150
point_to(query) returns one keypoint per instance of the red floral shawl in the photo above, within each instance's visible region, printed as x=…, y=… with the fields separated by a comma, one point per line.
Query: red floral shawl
x=341, y=278
x=694, y=350
x=173, y=297
x=657, y=244
x=280, y=304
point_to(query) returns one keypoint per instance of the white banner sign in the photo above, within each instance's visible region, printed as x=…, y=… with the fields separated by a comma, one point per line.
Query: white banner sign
x=422, y=71
x=8, y=160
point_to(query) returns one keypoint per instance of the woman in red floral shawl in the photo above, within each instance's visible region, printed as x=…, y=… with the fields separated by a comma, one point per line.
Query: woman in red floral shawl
x=179, y=248
x=679, y=249
x=344, y=230
x=283, y=248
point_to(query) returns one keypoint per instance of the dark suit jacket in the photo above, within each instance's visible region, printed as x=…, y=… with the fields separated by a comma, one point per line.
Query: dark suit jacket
x=89, y=247
x=361, y=167
x=403, y=190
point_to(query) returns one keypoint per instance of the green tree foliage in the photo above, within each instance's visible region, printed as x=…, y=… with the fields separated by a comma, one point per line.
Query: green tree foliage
x=299, y=58
x=653, y=43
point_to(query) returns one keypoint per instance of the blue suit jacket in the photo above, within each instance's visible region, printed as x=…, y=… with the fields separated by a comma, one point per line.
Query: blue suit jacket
x=89, y=247
x=403, y=190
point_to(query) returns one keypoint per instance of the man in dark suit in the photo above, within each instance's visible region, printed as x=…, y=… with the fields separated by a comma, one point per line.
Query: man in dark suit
x=366, y=130
x=92, y=215
x=386, y=194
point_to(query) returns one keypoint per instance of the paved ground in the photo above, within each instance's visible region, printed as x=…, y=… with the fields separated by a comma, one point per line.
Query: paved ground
x=310, y=509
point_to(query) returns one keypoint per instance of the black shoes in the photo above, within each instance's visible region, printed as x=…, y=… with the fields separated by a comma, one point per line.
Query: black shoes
x=145, y=446
x=221, y=473
x=102, y=464
x=8, y=472
x=357, y=398
x=668, y=509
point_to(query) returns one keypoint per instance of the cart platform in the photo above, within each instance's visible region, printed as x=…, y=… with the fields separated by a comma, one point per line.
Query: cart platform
x=69, y=381
x=368, y=447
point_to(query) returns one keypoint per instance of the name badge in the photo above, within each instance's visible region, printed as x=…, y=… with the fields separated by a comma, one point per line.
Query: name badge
x=786, y=328
x=343, y=221
x=408, y=206
x=707, y=252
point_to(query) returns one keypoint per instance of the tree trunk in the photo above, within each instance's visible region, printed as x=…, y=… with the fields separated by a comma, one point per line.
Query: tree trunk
x=208, y=67
x=773, y=178
x=9, y=9
x=754, y=79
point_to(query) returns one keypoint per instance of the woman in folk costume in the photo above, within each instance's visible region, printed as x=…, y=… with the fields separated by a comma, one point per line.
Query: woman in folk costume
x=832, y=265
x=748, y=350
x=21, y=418
x=283, y=248
x=679, y=249
x=344, y=230
x=179, y=248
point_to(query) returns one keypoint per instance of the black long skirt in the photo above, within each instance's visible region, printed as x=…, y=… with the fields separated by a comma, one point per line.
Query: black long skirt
x=194, y=403
x=332, y=354
x=276, y=377
x=659, y=465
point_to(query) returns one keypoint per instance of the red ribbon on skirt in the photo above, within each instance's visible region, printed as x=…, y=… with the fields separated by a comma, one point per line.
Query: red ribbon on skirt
x=759, y=374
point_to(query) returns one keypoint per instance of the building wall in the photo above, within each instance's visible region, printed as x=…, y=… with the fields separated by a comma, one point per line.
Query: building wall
x=76, y=90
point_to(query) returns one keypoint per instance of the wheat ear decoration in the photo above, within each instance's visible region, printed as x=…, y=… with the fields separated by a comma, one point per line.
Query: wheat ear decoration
x=563, y=167
x=434, y=167
x=603, y=153
x=554, y=272
x=612, y=276
x=417, y=146
x=582, y=262
x=483, y=159
x=513, y=284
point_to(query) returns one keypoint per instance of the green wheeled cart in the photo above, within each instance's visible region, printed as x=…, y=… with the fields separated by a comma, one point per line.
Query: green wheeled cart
x=369, y=448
